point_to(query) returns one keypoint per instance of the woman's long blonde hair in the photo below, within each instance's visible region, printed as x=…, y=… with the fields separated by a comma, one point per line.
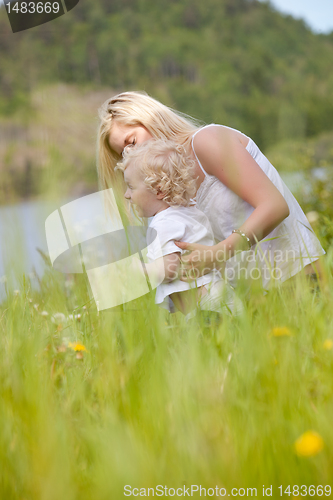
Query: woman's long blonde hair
x=137, y=108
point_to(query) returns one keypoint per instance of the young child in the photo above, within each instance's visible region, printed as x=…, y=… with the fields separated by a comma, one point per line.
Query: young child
x=160, y=184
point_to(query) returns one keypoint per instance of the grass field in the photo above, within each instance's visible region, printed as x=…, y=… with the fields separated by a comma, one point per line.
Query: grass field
x=95, y=405
x=93, y=402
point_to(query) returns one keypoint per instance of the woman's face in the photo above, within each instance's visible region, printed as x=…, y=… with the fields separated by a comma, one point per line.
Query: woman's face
x=127, y=135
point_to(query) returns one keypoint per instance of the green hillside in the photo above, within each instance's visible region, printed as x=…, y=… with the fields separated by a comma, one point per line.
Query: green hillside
x=236, y=62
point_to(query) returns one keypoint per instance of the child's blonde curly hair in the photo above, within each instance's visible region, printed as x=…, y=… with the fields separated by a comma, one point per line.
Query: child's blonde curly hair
x=166, y=168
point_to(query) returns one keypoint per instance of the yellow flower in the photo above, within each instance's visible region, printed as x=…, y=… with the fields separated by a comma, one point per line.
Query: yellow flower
x=280, y=331
x=328, y=344
x=76, y=346
x=309, y=444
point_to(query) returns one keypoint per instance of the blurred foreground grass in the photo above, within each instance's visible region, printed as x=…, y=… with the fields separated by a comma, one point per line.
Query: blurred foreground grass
x=91, y=403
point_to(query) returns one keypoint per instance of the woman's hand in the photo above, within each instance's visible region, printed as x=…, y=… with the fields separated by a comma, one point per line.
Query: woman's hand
x=199, y=260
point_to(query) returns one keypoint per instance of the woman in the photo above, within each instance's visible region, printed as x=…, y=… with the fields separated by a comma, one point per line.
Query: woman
x=246, y=201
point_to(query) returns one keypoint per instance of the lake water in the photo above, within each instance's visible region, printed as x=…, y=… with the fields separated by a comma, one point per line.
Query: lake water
x=22, y=232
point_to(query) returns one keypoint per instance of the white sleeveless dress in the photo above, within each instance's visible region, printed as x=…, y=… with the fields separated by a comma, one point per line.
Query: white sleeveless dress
x=282, y=253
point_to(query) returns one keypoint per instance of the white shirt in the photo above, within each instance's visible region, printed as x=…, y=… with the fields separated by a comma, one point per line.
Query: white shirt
x=283, y=252
x=178, y=224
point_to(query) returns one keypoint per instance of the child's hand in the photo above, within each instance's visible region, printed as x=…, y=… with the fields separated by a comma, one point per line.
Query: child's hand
x=199, y=260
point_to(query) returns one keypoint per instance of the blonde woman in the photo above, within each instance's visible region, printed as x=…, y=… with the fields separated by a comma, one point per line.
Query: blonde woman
x=247, y=203
x=160, y=184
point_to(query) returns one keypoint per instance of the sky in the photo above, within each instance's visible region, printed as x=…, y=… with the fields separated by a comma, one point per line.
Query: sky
x=318, y=14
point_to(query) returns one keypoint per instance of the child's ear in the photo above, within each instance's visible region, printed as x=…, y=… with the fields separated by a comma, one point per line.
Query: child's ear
x=160, y=195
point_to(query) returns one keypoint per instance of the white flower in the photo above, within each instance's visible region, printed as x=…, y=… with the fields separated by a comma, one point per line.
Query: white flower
x=44, y=313
x=16, y=292
x=58, y=318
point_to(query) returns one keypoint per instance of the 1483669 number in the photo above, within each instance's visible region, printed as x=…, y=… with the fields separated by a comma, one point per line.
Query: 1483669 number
x=304, y=490
x=33, y=7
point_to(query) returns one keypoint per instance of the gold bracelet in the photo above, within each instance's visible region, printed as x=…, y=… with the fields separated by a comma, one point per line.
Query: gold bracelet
x=243, y=235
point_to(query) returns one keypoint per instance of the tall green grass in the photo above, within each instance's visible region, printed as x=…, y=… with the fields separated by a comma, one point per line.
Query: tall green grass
x=154, y=400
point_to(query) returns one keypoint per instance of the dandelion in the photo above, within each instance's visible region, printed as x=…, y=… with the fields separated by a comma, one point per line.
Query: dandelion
x=58, y=318
x=36, y=306
x=16, y=292
x=44, y=314
x=280, y=331
x=76, y=346
x=328, y=344
x=309, y=444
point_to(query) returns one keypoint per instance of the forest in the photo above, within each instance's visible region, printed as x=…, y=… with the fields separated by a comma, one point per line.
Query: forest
x=235, y=62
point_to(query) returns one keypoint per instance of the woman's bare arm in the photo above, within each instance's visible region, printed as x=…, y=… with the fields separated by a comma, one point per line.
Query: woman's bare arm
x=223, y=155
